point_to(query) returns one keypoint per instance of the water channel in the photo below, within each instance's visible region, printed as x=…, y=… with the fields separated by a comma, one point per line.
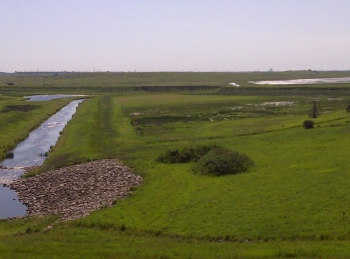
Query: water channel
x=31, y=152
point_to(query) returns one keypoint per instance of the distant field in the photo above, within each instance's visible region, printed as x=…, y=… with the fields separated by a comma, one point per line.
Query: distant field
x=83, y=83
x=293, y=203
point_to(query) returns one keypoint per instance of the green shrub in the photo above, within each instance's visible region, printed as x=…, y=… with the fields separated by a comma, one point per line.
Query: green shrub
x=211, y=160
x=221, y=161
x=201, y=151
x=122, y=227
x=185, y=155
x=308, y=124
x=170, y=157
x=348, y=107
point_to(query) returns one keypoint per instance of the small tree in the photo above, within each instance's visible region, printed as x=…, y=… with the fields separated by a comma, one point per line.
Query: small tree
x=314, y=113
x=308, y=124
x=348, y=107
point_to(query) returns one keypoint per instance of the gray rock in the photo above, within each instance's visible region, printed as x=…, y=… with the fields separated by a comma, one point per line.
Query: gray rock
x=76, y=191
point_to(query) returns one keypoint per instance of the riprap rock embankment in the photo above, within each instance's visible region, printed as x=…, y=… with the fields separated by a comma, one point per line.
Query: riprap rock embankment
x=77, y=190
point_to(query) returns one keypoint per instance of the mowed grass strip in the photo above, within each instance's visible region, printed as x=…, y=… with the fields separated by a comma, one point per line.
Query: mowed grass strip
x=89, y=134
x=97, y=131
x=68, y=241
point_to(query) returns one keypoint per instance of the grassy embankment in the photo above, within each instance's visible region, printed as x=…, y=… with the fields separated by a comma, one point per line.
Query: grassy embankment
x=292, y=204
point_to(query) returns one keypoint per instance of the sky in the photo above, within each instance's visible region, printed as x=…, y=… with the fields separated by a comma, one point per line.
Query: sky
x=169, y=35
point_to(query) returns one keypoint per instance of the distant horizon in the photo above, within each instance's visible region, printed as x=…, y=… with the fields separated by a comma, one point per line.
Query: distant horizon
x=191, y=35
x=163, y=71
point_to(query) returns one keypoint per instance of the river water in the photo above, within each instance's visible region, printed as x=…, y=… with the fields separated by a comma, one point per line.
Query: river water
x=31, y=152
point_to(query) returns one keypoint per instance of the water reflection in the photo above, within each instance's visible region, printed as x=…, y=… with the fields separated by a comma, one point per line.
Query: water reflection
x=43, y=98
x=9, y=204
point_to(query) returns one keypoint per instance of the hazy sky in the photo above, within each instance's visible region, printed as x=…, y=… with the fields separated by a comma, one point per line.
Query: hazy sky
x=174, y=35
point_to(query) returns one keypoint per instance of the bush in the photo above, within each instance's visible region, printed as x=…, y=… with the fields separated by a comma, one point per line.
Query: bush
x=211, y=160
x=170, y=157
x=185, y=155
x=348, y=107
x=308, y=124
x=221, y=161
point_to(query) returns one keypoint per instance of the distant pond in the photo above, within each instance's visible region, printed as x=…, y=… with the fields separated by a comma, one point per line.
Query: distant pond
x=43, y=98
x=31, y=152
x=336, y=80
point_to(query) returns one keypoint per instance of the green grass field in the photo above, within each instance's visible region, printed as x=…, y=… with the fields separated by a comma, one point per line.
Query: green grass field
x=292, y=203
